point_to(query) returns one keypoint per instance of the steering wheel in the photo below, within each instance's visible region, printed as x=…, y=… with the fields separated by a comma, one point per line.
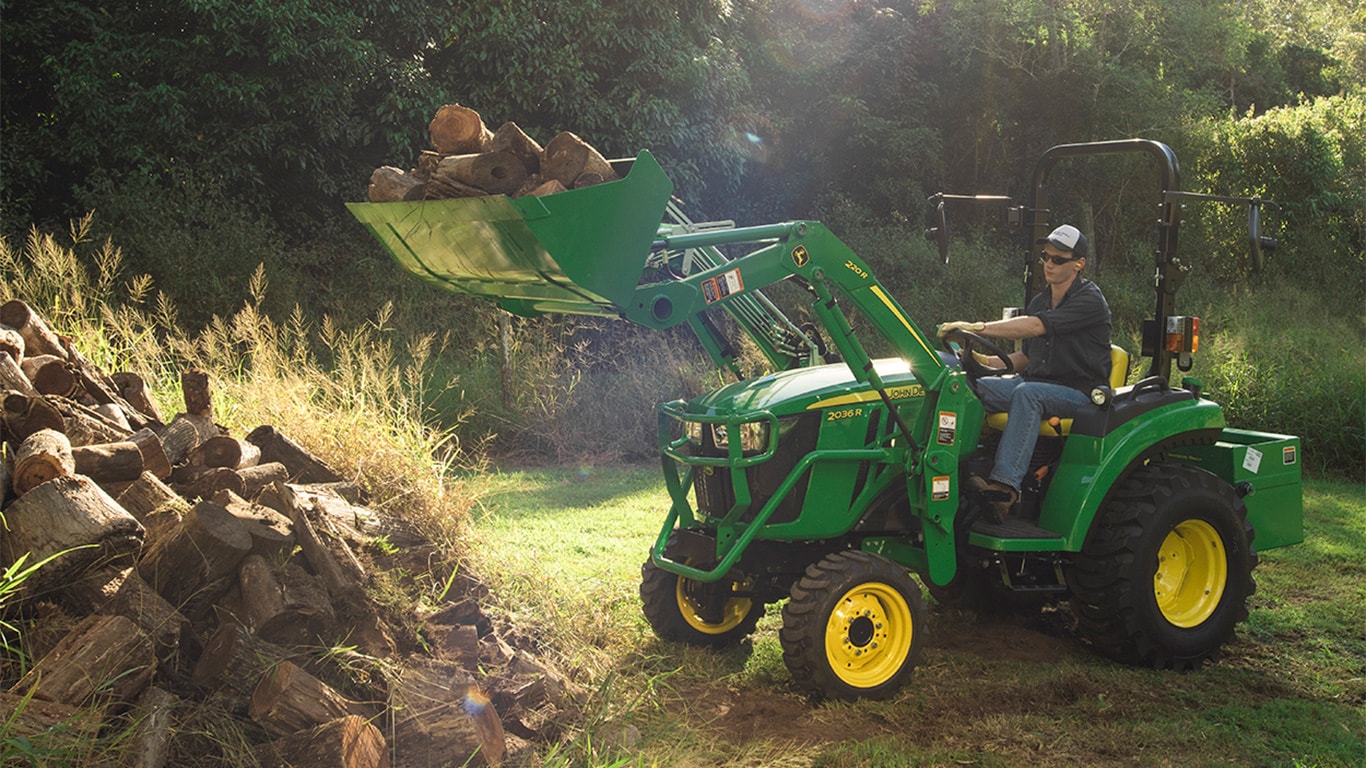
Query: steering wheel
x=970, y=341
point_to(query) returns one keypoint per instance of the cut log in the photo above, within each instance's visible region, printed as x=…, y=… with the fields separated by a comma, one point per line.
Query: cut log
x=271, y=532
x=68, y=513
x=288, y=699
x=444, y=188
x=154, y=458
x=26, y=414
x=347, y=742
x=147, y=495
x=440, y=716
x=109, y=462
x=52, y=375
x=284, y=605
x=567, y=157
x=391, y=185
x=511, y=138
x=98, y=386
x=327, y=553
x=84, y=426
x=12, y=343
x=184, y=433
x=496, y=173
x=135, y=391
x=38, y=337
x=194, y=385
x=153, y=730
x=550, y=187
x=108, y=655
x=44, y=455
x=457, y=130
x=258, y=478
x=200, y=483
x=122, y=592
x=197, y=563
x=234, y=661
x=225, y=451
x=12, y=377
x=115, y=415
x=459, y=644
x=48, y=727
x=303, y=466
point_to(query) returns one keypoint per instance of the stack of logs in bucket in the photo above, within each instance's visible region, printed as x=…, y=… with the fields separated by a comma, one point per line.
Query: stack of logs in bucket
x=469, y=160
x=183, y=568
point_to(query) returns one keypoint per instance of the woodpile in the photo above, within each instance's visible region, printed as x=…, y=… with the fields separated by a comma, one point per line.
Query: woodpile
x=192, y=570
x=469, y=160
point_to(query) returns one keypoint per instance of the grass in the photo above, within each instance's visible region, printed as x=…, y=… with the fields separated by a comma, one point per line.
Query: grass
x=563, y=547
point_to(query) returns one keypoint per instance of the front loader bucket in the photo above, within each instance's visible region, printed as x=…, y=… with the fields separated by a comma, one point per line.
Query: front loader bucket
x=580, y=251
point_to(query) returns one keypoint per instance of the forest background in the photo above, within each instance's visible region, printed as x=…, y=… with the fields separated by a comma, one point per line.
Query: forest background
x=215, y=143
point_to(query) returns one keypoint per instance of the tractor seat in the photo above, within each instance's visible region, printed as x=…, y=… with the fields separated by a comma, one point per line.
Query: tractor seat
x=1058, y=427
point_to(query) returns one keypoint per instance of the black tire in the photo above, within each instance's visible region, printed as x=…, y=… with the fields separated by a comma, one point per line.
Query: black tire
x=672, y=606
x=854, y=627
x=1166, y=571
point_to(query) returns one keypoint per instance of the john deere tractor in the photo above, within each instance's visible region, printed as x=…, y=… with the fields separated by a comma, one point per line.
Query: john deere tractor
x=832, y=478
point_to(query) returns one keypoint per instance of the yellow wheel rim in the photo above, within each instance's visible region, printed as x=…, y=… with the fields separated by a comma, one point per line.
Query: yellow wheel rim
x=735, y=611
x=868, y=635
x=1192, y=572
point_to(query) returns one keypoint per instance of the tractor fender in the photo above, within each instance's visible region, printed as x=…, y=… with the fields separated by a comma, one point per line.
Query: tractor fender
x=1091, y=465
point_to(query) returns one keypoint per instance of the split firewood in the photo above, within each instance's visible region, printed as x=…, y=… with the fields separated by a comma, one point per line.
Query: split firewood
x=288, y=699
x=44, y=455
x=510, y=138
x=183, y=434
x=225, y=451
x=198, y=562
x=154, y=458
x=109, y=462
x=567, y=157
x=153, y=730
x=346, y=742
x=136, y=392
x=120, y=591
x=496, y=173
x=52, y=375
x=330, y=556
x=12, y=377
x=26, y=414
x=271, y=532
x=67, y=515
x=391, y=185
x=12, y=342
x=440, y=715
x=303, y=466
x=108, y=655
x=458, y=130
x=38, y=337
x=146, y=495
x=459, y=644
x=194, y=385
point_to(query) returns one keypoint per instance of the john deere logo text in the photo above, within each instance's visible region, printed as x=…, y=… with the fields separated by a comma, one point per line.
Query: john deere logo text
x=800, y=257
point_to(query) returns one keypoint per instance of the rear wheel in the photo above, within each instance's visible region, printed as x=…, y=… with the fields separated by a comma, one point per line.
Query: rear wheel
x=1166, y=571
x=854, y=627
x=716, y=615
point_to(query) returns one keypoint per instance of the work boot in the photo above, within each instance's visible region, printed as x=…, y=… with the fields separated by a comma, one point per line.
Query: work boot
x=999, y=496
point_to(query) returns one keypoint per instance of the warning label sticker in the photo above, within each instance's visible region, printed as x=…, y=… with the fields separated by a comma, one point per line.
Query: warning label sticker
x=1288, y=455
x=940, y=488
x=721, y=286
x=948, y=427
x=1253, y=460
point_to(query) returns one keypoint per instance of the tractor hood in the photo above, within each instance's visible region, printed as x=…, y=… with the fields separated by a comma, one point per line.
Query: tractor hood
x=807, y=389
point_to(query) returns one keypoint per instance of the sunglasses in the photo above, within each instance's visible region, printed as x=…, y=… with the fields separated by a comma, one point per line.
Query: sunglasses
x=1058, y=260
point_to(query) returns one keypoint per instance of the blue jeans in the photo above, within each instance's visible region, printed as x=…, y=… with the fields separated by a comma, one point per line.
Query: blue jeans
x=1027, y=403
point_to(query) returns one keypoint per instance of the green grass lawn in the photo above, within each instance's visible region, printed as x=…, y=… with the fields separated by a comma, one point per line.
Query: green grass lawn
x=563, y=548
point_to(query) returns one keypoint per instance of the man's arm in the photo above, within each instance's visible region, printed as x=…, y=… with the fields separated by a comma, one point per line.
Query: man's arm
x=1022, y=327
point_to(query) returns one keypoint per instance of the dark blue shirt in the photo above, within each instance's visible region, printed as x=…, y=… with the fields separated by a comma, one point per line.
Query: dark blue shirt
x=1074, y=349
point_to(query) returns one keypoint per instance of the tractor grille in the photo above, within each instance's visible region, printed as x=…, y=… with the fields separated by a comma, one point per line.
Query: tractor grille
x=796, y=438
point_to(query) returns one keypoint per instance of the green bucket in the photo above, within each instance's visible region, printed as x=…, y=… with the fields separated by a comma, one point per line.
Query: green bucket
x=580, y=251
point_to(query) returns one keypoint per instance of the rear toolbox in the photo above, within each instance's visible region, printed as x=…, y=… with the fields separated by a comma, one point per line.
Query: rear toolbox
x=1267, y=467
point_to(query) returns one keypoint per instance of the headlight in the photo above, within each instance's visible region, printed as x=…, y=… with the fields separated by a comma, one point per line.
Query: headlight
x=694, y=431
x=753, y=435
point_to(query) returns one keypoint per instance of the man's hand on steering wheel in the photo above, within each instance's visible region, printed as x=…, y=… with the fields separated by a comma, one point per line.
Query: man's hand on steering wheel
x=968, y=356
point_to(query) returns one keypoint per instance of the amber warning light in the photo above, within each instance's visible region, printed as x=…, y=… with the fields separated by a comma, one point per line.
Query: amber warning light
x=1183, y=339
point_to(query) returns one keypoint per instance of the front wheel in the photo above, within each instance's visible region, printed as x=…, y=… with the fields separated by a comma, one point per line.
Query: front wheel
x=854, y=627
x=1165, y=573
x=684, y=610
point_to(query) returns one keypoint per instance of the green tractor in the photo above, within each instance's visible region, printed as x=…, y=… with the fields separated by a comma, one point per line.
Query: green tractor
x=832, y=479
